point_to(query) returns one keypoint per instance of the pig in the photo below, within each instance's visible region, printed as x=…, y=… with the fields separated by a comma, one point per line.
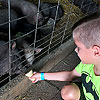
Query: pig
x=49, y=10
x=47, y=28
x=4, y=20
x=28, y=51
x=15, y=25
x=25, y=8
x=4, y=59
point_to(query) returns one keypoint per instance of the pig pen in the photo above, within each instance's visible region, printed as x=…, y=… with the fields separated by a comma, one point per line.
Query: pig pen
x=37, y=44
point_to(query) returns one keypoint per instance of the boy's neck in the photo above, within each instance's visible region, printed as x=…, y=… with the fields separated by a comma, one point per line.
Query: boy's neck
x=97, y=70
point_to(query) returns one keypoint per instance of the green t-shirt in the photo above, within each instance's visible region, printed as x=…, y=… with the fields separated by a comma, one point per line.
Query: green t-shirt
x=90, y=82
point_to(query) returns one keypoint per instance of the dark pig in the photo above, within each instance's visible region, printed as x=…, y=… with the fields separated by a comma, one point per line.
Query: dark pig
x=25, y=8
x=47, y=28
x=4, y=20
x=28, y=51
x=49, y=10
x=4, y=59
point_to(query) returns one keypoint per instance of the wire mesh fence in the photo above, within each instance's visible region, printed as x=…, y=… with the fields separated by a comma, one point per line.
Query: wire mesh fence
x=32, y=29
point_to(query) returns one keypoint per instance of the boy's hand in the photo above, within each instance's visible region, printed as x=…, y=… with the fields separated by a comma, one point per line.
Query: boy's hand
x=35, y=77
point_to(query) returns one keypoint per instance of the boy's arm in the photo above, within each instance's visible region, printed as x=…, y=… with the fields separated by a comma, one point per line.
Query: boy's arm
x=57, y=76
x=62, y=76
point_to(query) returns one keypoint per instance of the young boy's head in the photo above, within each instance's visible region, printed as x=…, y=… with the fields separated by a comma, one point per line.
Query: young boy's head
x=88, y=33
x=87, y=39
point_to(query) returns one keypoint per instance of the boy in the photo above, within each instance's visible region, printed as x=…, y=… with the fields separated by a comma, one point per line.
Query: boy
x=87, y=40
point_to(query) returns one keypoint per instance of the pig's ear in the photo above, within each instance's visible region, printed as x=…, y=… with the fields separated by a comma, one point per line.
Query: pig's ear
x=38, y=50
x=13, y=45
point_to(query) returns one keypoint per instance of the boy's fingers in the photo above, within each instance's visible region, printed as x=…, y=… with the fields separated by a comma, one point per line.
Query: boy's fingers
x=34, y=73
x=32, y=79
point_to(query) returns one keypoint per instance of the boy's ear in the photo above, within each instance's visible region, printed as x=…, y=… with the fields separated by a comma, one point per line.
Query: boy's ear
x=96, y=50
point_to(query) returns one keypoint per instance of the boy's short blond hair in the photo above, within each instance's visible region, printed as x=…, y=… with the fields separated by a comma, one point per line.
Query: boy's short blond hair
x=88, y=33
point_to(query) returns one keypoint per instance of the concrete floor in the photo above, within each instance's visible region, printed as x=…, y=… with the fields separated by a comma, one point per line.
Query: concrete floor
x=50, y=90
